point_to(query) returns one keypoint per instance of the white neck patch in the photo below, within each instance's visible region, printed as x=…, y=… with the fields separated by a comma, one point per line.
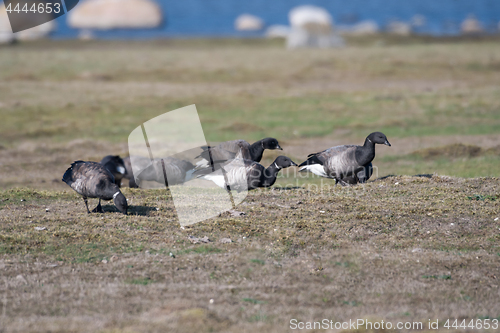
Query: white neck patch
x=369, y=140
x=276, y=165
x=114, y=195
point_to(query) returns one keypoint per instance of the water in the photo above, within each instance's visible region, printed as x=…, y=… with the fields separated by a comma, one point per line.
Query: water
x=191, y=18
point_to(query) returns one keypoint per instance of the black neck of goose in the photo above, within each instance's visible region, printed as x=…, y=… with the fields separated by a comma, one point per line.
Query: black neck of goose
x=110, y=190
x=270, y=174
x=256, y=151
x=367, y=152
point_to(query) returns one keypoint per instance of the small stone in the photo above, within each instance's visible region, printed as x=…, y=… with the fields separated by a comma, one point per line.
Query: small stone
x=496, y=219
x=40, y=228
x=417, y=249
x=225, y=240
x=396, y=183
x=211, y=301
x=22, y=200
x=322, y=211
x=104, y=261
x=157, y=208
x=47, y=210
x=21, y=279
x=171, y=254
x=452, y=223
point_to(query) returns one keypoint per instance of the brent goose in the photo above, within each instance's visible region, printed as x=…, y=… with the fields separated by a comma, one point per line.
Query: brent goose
x=129, y=174
x=241, y=175
x=360, y=177
x=177, y=171
x=344, y=163
x=93, y=180
x=236, y=148
x=116, y=166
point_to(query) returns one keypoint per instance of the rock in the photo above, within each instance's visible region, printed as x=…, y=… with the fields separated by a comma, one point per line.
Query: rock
x=6, y=35
x=312, y=27
x=21, y=279
x=196, y=240
x=416, y=250
x=311, y=18
x=225, y=240
x=399, y=28
x=471, y=26
x=40, y=228
x=115, y=14
x=38, y=32
x=277, y=31
x=247, y=22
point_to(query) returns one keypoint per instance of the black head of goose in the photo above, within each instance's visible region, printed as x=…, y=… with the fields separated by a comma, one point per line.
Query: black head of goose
x=236, y=149
x=344, y=161
x=129, y=174
x=241, y=175
x=176, y=171
x=93, y=180
x=116, y=166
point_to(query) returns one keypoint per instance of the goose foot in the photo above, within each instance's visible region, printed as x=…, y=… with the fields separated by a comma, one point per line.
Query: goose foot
x=98, y=209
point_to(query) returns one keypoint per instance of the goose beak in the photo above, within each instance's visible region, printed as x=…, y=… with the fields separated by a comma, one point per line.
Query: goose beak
x=278, y=147
x=294, y=164
x=387, y=143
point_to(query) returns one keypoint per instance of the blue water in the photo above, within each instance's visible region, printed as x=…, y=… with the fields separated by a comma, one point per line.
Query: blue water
x=191, y=18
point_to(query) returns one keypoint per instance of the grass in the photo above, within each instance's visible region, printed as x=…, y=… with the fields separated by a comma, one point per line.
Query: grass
x=400, y=248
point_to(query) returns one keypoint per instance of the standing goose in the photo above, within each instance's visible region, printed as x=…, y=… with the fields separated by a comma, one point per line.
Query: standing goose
x=116, y=166
x=346, y=164
x=230, y=149
x=93, y=180
x=245, y=175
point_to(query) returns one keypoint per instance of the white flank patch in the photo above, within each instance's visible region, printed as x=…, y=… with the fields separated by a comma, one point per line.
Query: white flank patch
x=317, y=169
x=121, y=169
x=217, y=179
x=114, y=195
x=203, y=164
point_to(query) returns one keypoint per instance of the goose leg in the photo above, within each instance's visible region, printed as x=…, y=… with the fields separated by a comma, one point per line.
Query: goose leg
x=98, y=209
x=86, y=204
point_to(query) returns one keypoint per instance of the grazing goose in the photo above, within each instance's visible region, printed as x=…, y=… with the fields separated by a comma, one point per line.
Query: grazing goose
x=116, y=166
x=230, y=149
x=177, y=171
x=344, y=163
x=93, y=180
x=245, y=175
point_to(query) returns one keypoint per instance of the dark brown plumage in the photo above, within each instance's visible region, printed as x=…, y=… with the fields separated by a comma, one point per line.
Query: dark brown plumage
x=93, y=180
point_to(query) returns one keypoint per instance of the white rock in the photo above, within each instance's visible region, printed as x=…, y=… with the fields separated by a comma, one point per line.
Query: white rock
x=312, y=27
x=40, y=228
x=115, y=14
x=471, y=25
x=40, y=31
x=277, y=31
x=417, y=249
x=310, y=17
x=247, y=22
x=398, y=28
